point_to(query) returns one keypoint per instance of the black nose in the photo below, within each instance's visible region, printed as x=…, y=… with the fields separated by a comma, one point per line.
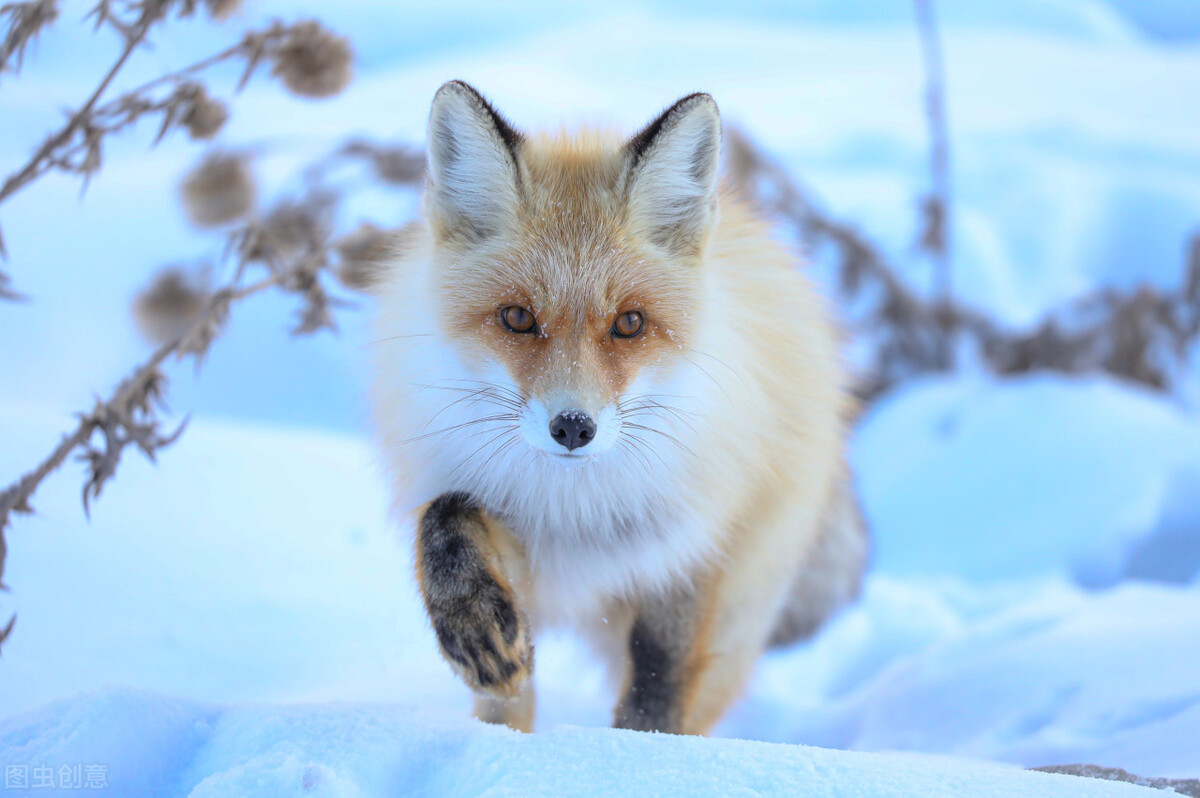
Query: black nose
x=573, y=429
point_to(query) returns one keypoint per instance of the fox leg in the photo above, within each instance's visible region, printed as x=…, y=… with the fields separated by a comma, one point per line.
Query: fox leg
x=691, y=653
x=662, y=642
x=516, y=713
x=465, y=564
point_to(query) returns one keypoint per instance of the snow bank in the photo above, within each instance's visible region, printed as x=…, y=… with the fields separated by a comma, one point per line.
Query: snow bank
x=151, y=746
x=993, y=480
x=1035, y=674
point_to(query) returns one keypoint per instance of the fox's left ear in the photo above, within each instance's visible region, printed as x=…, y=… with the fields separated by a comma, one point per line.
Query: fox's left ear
x=671, y=174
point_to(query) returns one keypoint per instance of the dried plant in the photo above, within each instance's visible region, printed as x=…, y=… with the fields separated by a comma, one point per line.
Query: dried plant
x=1144, y=335
x=314, y=62
x=310, y=61
x=171, y=304
x=1189, y=787
x=394, y=164
x=363, y=254
x=180, y=310
x=934, y=237
x=222, y=10
x=200, y=113
x=219, y=190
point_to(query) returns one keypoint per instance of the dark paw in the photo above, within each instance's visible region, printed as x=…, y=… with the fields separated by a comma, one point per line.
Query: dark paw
x=487, y=643
x=480, y=630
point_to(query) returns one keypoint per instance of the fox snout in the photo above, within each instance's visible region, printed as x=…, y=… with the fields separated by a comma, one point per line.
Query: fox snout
x=573, y=429
x=569, y=427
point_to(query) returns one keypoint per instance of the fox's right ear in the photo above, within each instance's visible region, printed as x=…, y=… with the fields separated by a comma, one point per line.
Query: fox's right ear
x=473, y=178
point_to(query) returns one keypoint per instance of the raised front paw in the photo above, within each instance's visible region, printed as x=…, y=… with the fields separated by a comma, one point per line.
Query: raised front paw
x=480, y=629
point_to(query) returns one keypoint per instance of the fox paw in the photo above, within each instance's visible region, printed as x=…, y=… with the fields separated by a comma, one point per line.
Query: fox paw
x=480, y=630
x=487, y=642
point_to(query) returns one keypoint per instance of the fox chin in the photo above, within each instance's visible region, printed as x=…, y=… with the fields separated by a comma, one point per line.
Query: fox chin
x=617, y=405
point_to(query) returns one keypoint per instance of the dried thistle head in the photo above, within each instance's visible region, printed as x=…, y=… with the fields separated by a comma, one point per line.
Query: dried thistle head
x=313, y=61
x=219, y=190
x=291, y=231
x=394, y=164
x=363, y=254
x=25, y=22
x=202, y=114
x=221, y=10
x=172, y=302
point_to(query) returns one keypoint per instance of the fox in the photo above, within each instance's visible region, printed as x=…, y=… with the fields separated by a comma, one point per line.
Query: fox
x=615, y=404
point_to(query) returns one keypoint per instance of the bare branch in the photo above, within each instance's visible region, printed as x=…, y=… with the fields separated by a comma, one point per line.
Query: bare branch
x=1144, y=335
x=934, y=238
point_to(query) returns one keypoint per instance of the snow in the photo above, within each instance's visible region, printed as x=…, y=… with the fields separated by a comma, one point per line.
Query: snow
x=243, y=620
x=1016, y=472
x=203, y=750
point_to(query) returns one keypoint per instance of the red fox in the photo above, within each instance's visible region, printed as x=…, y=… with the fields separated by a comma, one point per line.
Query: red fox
x=619, y=407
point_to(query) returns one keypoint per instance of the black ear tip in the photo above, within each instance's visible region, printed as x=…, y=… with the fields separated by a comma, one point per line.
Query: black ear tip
x=640, y=143
x=461, y=91
x=458, y=87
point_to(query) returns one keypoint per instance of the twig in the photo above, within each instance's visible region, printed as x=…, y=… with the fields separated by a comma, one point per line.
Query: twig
x=22, y=177
x=935, y=208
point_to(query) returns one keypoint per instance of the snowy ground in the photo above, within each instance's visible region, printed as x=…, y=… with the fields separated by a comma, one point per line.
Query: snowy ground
x=258, y=565
x=242, y=619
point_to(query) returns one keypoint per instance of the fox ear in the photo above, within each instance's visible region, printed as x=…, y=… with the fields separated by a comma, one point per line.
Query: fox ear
x=671, y=176
x=473, y=152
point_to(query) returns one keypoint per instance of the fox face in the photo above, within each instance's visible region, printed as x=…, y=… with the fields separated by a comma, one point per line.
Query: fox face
x=572, y=266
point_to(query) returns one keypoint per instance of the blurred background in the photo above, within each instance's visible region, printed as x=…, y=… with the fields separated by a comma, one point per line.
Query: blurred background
x=1001, y=200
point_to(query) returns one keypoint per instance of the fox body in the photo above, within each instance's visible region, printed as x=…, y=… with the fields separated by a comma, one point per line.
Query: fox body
x=618, y=406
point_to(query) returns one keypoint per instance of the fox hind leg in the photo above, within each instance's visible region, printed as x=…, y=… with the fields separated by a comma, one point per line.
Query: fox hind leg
x=481, y=630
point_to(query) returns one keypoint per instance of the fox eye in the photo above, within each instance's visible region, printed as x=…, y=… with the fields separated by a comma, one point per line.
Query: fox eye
x=627, y=325
x=517, y=319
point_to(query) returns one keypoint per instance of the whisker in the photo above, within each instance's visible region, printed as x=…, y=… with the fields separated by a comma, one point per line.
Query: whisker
x=707, y=374
x=666, y=435
x=629, y=447
x=645, y=446
x=499, y=417
x=497, y=390
x=503, y=448
x=652, y=396
x=471, y=397
x=654, y=411
x=397, y=338
x=475, y=397
x=506, y=431
x=502, y=388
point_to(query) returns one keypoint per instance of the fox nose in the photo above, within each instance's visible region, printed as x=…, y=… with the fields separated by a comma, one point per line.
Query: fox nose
x=573, y=429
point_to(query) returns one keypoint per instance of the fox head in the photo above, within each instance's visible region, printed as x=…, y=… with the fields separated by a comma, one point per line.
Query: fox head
x=573, y=264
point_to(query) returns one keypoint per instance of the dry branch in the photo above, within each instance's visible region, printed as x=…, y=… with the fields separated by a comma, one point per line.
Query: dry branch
x=934, y=238
x=310, y=60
